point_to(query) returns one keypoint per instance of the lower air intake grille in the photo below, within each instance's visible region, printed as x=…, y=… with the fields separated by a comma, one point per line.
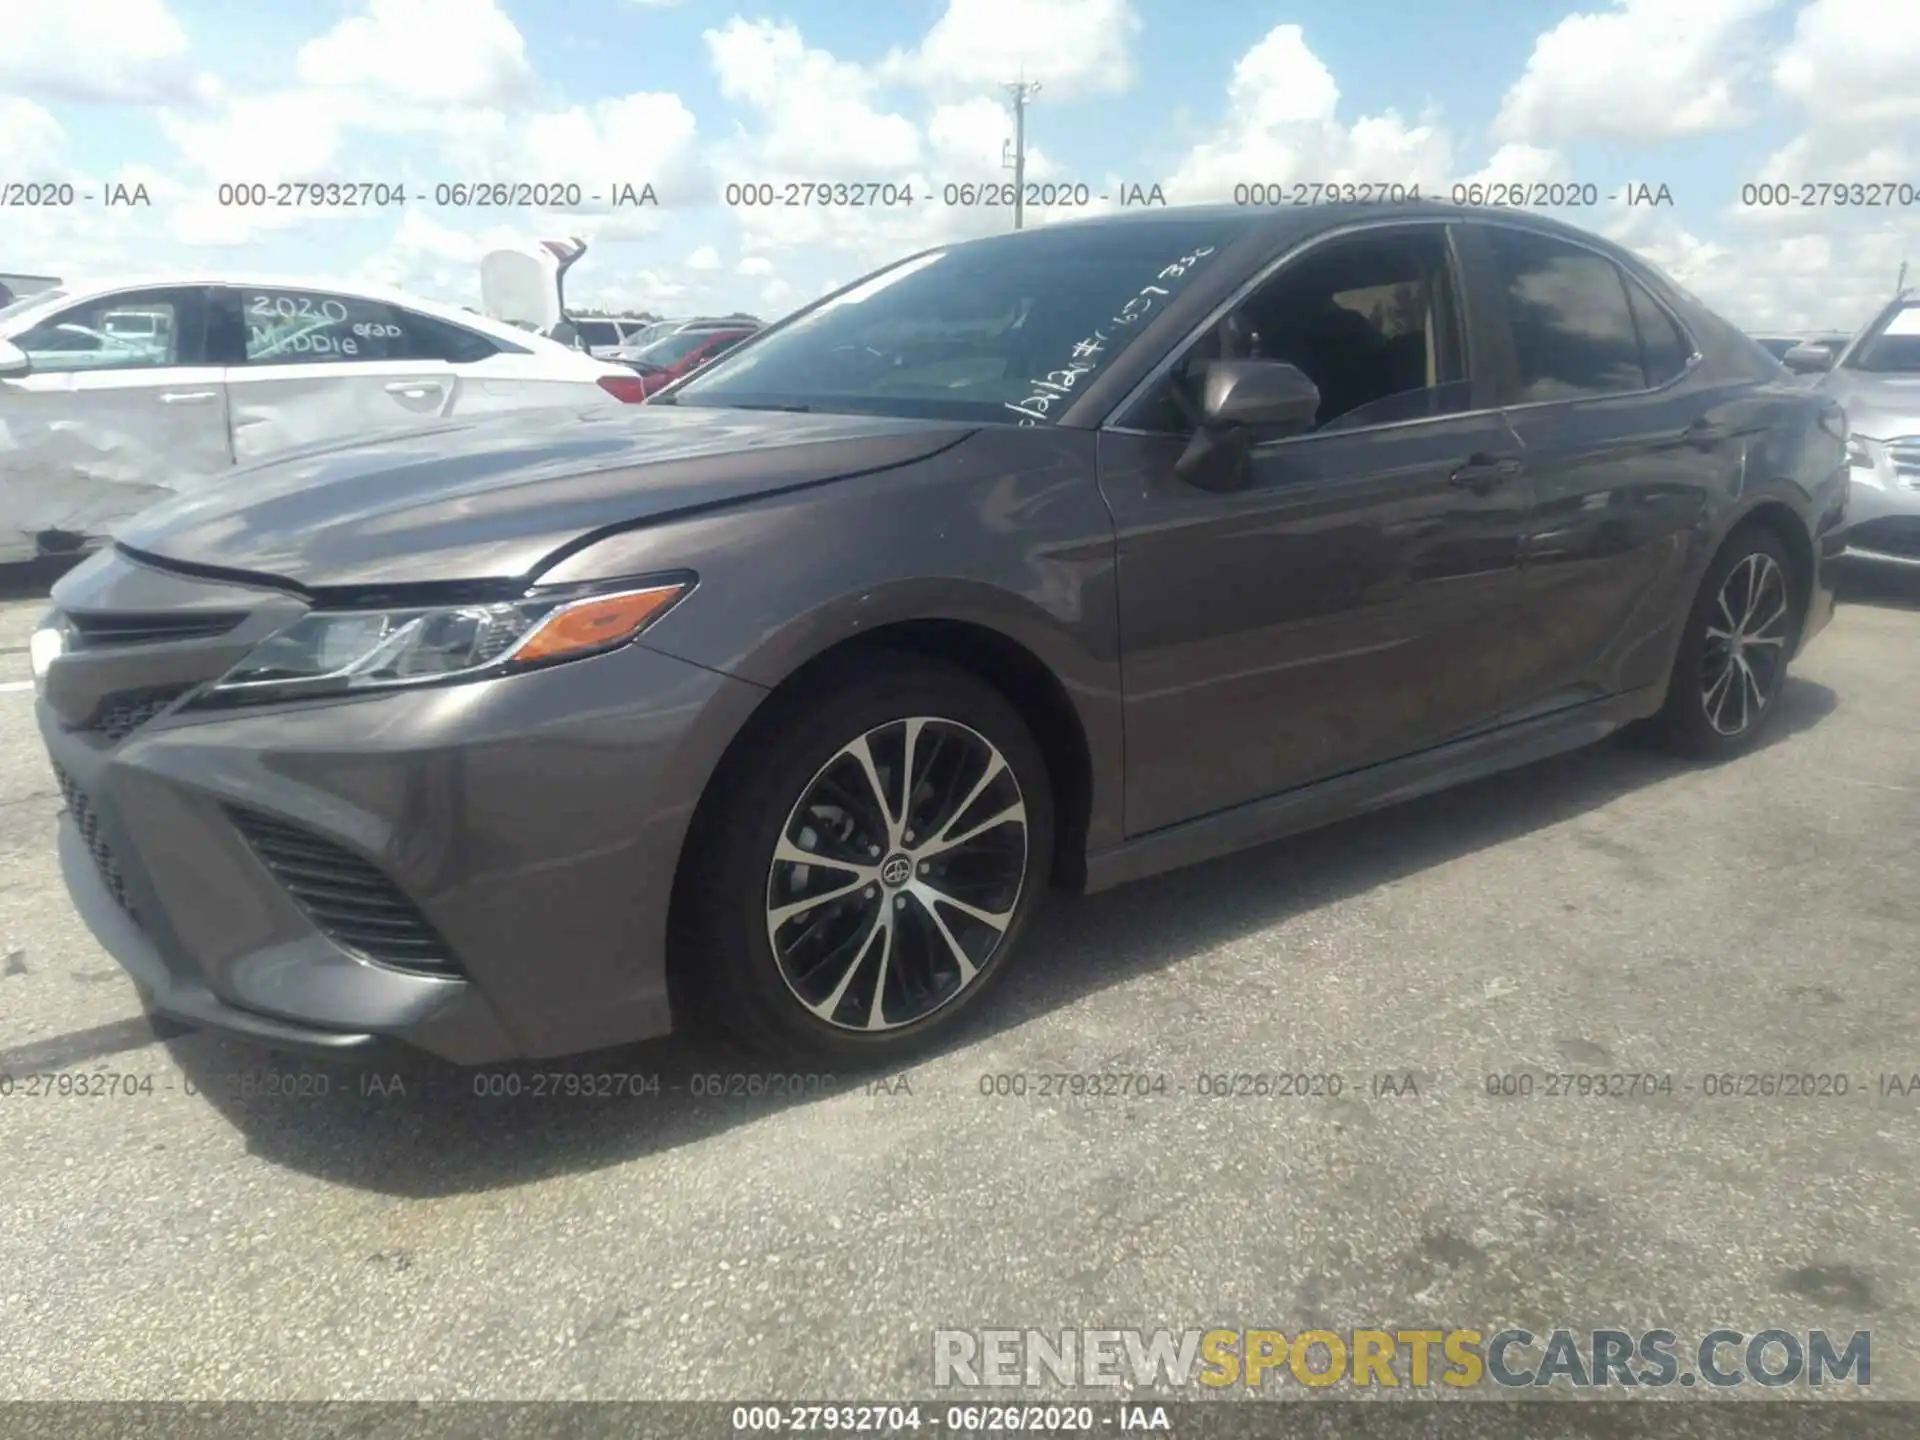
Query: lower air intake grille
x=124, y=712
x=347, y=899
x=88, y=823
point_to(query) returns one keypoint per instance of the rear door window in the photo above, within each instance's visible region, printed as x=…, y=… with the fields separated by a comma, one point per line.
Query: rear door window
x=1573, y=328
x=309, y=327
x=1664, y=347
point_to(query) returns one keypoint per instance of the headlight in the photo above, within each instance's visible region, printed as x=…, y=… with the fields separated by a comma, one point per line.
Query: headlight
x=344, y=651
x=47, y=645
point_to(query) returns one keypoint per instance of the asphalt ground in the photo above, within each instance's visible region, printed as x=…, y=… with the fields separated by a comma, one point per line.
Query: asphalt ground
x=407, y=1235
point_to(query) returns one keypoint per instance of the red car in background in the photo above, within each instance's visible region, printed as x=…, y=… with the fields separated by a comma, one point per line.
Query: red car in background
x=667, y=359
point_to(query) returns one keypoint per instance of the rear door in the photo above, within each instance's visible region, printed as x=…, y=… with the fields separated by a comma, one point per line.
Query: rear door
x=1624, y=442
x=311, y=365
x=121, y=409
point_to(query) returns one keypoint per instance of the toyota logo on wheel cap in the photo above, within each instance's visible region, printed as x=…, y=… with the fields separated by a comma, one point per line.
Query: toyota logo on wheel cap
x=897, y=870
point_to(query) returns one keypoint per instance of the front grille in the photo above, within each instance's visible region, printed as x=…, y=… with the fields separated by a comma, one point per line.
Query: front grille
x=120, y=714
x=87, y=820
x=135, y=628
x=1890, y=535
x=348, y=900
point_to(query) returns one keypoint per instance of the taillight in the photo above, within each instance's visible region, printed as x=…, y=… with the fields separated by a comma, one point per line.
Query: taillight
x=627, y=389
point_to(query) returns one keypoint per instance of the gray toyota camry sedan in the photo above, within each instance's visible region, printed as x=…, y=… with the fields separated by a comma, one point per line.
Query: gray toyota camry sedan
x=1052, y=559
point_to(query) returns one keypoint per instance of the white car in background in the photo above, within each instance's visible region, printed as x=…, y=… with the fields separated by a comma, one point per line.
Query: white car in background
x=117, y=393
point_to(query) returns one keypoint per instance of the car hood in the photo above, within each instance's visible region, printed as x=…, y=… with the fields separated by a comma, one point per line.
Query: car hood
x=1880, y=407
x=491, y=500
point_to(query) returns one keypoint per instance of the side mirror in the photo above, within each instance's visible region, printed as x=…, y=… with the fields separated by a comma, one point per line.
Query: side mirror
x=1237, y=396
x=14, y=362
x=1259, y=392
x=1808, y=359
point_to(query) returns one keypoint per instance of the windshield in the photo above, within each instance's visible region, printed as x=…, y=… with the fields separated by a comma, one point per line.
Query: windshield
x=998, y=330
x=1894, y=346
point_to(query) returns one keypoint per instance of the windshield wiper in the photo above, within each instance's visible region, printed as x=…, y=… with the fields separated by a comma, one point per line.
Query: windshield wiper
x=788, y=409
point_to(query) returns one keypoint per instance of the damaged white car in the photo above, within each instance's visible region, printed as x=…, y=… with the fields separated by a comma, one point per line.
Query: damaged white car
x=118, y=393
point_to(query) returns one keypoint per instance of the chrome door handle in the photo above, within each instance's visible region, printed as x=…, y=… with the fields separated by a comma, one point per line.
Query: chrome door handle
x=186, y=397
x=414, y=389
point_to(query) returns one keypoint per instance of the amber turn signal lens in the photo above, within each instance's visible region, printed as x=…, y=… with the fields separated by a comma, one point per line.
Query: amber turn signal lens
x=589, y=625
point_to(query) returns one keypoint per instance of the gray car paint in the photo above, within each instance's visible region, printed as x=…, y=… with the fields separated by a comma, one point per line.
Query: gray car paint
x=494, y=499
x=538, y=819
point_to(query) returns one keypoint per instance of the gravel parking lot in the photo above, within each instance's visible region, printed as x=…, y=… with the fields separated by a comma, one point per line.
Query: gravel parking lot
x=1608, y=912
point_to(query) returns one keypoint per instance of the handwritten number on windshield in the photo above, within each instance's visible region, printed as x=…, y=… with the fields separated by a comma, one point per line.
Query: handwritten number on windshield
x=1057, y=386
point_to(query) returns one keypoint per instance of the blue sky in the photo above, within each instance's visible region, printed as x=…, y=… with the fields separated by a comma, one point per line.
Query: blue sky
x=1700, y=96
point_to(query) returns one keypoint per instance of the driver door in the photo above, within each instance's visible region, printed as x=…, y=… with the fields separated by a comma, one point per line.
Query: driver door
x=1353, y=603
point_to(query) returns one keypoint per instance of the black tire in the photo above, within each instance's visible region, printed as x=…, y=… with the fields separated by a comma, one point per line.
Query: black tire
x=1703, y=718
x=725, y=962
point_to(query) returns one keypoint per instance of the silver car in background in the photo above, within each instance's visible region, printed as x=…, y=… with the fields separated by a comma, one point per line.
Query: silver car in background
x=1780, y=345
x=1876, y=379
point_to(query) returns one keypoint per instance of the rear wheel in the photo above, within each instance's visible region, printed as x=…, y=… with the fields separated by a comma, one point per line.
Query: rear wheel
x=863, y=877
x=1732, y=661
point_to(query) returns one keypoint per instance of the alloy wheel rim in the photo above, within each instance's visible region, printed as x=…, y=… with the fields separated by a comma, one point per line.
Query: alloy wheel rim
x=1745, y=654
x=897, y=874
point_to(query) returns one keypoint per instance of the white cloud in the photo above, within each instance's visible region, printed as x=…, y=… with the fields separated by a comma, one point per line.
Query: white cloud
x=819, y=119
x=1796, y=282
x=32, y=144
x=1854, y=61
x=1281, y=128
x=705, y=258
x=282, y=135
x=754, y=265
x=1829, y=156
x=1644, y=71
x=1072, y=47
x=95, y=239
x=457, y=52
x=647, y=138
x=1519, y=164
x=263, y=139
x=430, y=257
x=133, y=51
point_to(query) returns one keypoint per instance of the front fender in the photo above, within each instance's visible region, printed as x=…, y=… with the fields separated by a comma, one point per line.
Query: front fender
x=1006, y=532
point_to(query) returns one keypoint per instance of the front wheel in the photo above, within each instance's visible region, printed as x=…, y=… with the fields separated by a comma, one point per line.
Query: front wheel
x=866, y=869
x=1732, y=660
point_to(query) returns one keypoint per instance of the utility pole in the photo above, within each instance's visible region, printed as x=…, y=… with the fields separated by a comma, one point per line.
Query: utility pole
x=1022, y=91
x=1900, y=285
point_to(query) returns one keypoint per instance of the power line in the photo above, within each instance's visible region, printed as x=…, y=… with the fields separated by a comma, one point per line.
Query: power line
x=1022, y=90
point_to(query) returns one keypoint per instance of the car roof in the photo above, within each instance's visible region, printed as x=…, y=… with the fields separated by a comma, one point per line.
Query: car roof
x=453, y=314
x=1281, y=224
